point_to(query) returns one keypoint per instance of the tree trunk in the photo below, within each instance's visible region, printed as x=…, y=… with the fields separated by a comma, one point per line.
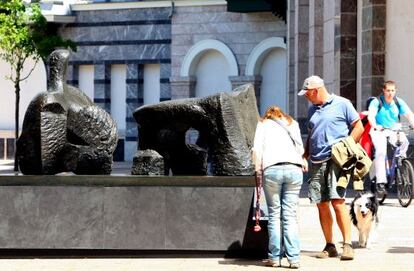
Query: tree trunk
x=16, y=116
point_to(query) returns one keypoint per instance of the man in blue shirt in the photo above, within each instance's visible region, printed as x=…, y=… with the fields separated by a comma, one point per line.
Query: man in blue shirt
x=382, y=114
x=330, y=119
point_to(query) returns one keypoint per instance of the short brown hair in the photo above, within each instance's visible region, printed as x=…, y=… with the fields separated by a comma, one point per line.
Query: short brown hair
x=387, y=83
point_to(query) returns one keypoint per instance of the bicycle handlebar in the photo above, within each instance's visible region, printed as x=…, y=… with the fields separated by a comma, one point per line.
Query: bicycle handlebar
x=398, y=130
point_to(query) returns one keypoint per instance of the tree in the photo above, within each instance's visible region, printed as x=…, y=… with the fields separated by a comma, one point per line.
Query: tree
x=25, y=34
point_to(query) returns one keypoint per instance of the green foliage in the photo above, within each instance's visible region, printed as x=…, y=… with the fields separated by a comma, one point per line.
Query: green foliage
x=24, y=33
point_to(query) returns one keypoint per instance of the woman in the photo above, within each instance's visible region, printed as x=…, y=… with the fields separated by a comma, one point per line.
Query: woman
x=278, y=151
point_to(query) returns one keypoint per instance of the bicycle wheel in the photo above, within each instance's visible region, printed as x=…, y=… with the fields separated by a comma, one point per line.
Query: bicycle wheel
x=405, y=185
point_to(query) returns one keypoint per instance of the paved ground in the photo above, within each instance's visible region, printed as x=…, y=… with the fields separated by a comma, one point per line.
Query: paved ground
x=393, y=249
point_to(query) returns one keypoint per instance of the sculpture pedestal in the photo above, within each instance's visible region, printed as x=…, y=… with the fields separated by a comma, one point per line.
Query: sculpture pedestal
x=129, y=212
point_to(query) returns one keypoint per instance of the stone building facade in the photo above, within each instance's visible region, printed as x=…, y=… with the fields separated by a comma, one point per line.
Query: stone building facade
x=199, y=47
x=175, y=37
x=343, y=41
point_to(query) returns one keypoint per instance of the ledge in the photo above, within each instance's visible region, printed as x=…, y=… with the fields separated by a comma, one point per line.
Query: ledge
x=126, y=180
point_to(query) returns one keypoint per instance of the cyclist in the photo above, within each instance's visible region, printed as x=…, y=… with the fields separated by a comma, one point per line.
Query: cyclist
x=385, y=112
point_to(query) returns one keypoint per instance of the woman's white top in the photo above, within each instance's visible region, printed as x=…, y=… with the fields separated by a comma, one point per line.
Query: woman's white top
x=272, y=143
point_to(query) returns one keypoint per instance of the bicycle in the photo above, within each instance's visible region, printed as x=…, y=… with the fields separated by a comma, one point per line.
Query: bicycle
x=399, y=172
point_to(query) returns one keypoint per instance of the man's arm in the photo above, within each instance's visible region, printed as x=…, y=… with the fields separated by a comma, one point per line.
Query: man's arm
x=357, y=130
x=372, y=113
x=410, y=117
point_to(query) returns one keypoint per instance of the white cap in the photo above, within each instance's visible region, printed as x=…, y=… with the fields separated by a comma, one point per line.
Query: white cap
x=311, y=82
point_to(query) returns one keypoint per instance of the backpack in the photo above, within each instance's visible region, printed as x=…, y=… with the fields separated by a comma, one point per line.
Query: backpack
x=381, y=102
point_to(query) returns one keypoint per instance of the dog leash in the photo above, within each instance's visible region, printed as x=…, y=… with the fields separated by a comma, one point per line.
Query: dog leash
x=259, y=181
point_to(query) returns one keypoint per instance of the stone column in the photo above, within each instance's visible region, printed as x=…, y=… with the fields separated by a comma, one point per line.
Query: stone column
x=316, y=37
x=183, y=87
x=291, y=45
x=373, y=47
x=346, y=49
x=301, y=56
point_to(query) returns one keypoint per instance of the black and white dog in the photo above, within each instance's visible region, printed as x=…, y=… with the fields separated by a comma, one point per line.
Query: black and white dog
x=364, y=215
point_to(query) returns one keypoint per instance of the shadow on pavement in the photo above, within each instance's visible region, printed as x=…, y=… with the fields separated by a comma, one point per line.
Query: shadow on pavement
x=401, y=250
x=244, y=263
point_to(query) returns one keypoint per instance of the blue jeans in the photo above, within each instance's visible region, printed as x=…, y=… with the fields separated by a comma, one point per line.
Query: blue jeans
x=281, y=186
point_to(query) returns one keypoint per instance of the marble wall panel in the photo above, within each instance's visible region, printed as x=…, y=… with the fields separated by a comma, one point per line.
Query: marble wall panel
x=165, y=70
x=134, y=218
x=120, y=15
x=373, y=17
x=132, y=90
x=202, y=9
x=349, y=6
x=100, y=91
x=123, y=52
x=165, y=91
x=186, y=17
x=371, y=86
x=129, y=217
x=51, y=217
x=348, y=46
x=373, y=40
x=2, y=148
x=373, y=2
x=189, y=208
x=348, y=24
x=120, y=33
x=100, y=72
x=347, y=89
x=132, y=71
x=131, y=107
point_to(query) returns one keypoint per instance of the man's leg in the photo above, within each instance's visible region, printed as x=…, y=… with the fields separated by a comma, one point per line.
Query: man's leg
x=343, y=219
x=380, y=145
x=404, y=143
x=326, y=220
x=344, y=223
x=318, y=193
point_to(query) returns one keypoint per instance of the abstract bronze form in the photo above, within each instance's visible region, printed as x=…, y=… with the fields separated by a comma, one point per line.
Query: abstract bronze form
x=64, y=131
x=147, y=162
x=226, y=123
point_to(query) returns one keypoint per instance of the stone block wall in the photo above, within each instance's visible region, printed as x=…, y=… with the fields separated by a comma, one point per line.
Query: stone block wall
x=241, y=32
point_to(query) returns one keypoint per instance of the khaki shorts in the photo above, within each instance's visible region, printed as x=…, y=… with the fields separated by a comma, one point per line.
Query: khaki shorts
x=322, y=183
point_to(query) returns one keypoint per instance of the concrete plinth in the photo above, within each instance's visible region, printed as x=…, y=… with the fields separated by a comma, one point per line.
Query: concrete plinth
x=128, y=212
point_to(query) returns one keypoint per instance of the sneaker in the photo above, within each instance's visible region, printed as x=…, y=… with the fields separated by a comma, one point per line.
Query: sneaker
x=348, y=253
x=272, y=263
x=294, y=265
x=328, y=252
x=381, y=188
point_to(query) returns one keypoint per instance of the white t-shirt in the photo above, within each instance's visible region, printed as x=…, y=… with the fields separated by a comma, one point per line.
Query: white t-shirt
x=272, y=144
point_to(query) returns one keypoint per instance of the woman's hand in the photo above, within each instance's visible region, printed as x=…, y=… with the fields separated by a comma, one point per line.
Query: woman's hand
x=305, y=167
